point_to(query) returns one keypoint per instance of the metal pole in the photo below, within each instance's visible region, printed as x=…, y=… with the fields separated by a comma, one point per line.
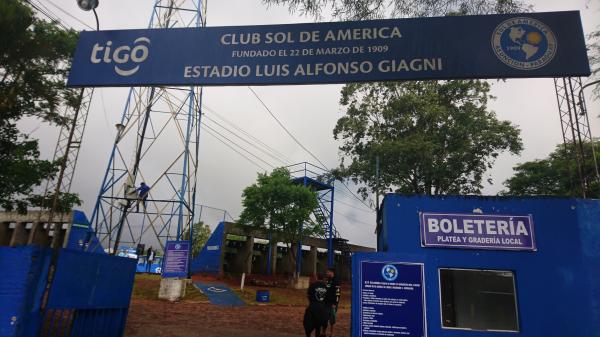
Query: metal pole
x=136, y=165
x=269, y=254
x=330, y=243
x=299, y=250
x=377, y=183
x=583, y=108
x=184, y=175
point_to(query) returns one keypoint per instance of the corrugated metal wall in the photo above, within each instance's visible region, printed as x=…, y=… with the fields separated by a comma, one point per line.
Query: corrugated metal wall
x=23, y=272
x=89, y=295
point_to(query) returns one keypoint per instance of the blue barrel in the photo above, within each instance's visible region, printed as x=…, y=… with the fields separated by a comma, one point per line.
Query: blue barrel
x=262, y=296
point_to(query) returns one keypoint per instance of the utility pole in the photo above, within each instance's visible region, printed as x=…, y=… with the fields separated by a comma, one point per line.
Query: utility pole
x=377, y=184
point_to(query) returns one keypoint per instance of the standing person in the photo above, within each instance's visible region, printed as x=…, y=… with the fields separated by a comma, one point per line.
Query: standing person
x=332, y=299
x=315, y=315
x=149, y=259
x=142, y=195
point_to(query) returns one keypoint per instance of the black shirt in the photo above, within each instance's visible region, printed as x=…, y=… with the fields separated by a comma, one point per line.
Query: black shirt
x=317, y=292
x=333, y=291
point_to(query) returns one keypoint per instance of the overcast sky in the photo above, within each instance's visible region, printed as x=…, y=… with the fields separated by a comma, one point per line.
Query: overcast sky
x=309, y=111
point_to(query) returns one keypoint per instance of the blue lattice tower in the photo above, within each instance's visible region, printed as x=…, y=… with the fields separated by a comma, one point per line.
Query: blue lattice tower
x=320, y=181
x=157, y=143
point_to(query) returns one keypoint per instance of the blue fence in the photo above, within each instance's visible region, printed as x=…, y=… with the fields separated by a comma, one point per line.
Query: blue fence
x=89, y=295
x=23, y=272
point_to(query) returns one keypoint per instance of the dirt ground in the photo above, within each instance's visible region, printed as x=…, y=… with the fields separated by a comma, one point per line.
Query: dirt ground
x=194, y=316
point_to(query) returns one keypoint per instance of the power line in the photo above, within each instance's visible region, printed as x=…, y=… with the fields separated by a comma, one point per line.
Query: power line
x=231, y=147
x=285, y=129
x=353, y=196
x=245, y=140
x=266, y=146
x=356, y=196
x=70, y=15
x=43, y=12
x=265, y=152
x=301, y=145
x=352, y=220
x=239, y=146
x=277, y=154
x=370, y=211
x=355, y=220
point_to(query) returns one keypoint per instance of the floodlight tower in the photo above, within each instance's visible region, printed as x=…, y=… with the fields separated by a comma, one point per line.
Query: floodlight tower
x=157, y=143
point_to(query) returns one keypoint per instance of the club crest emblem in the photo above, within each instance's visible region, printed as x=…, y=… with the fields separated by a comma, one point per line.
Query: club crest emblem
x=524, y=43
x=389, y=272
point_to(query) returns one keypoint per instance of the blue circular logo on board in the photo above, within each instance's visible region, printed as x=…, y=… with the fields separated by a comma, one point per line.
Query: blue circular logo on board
x=524, y=43
x=389, y=272
x=177, y=246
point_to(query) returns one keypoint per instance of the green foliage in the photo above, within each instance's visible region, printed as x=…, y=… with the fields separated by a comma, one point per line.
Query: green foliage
x=34, y=59
x=277, y=205
x=201, y=233
x=64, y=202
x=555, y=175
x=594, y=55
x=431, y=137
x=372, y=9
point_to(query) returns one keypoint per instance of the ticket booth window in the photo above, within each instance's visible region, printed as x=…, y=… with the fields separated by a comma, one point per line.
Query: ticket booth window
x=478, y=300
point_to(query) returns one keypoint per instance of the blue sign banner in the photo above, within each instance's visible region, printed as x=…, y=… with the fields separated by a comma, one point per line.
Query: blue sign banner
x=175, y=263
x=391, y=299
x=492, y=46
x=477, y=231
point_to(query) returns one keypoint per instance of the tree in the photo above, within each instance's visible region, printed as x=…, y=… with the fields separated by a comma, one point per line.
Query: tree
x=594, y=52
x=34, y=59
x=201, y=233
x=431, y=137
x=556, y=175
x=373, y=9
x=280, y=207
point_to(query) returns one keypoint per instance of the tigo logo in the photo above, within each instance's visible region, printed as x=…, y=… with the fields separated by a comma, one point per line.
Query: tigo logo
x=124, y=56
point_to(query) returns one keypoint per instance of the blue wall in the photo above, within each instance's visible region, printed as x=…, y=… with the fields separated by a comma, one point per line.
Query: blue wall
x=209, y=258
x=557, y=286
x=82, y=235
x=23, y=273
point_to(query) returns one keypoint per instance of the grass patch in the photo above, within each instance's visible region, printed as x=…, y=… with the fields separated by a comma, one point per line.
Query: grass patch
x=278, y=296
x=192, y=294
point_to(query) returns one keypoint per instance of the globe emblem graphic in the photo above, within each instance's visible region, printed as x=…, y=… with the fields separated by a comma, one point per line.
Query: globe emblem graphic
x=524, y=43
x=389, y=272
x=177, y=246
